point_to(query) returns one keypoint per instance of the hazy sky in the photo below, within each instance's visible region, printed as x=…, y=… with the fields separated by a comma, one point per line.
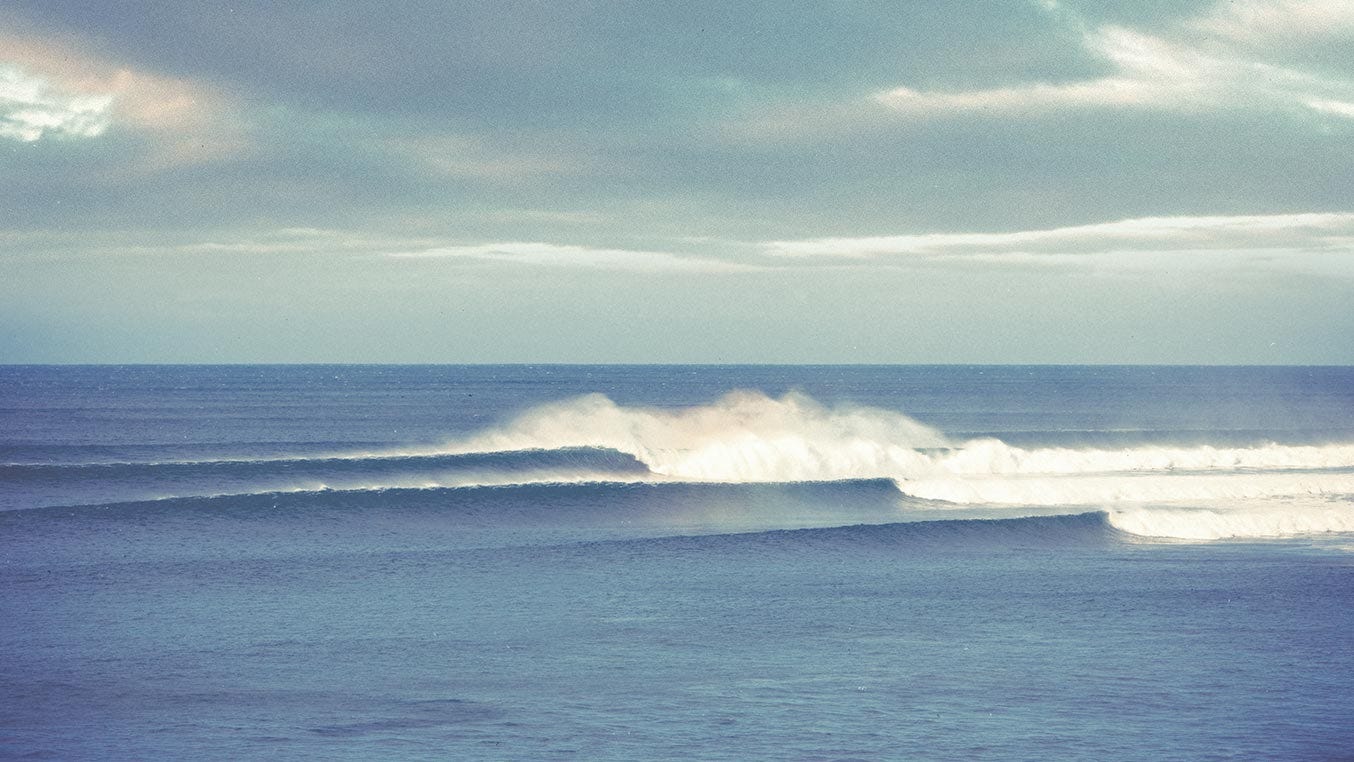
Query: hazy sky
x=572, y=181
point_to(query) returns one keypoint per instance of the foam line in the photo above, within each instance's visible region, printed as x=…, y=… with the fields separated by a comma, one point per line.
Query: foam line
x=1127, y=488
x=1278, y=520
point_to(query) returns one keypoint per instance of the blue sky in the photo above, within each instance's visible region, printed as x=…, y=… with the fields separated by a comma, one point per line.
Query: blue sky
x=570, y=181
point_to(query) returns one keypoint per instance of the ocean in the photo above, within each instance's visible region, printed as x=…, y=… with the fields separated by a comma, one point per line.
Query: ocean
x=703, y=562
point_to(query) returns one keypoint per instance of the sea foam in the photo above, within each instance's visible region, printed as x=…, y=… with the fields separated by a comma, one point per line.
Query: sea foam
x=1277, y=520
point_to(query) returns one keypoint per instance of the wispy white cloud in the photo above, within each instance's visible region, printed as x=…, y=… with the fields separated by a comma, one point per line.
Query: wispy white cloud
x=1338, y=108
x=1327, y=232
x=572, y=256
x=324, y=243
x=1282, y=21
x=1218, y=60
x=1320, y=243
x=31, y=109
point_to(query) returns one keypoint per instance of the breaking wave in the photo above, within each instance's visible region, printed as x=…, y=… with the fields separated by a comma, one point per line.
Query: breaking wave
x=749, y=437
x=1200, y=492
x=1208, y=492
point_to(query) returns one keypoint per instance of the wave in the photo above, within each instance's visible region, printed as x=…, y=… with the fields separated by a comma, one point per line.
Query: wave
x=949, y=535
x=627, y=507
x=56, y=484
x=366, y=464
x=742, y=437
x=747, y=438
x=712, y=508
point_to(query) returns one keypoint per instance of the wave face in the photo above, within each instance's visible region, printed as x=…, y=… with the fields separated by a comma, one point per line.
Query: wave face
x=1151, y=486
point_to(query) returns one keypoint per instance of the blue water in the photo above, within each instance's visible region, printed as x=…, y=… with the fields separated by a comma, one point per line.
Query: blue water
x=626, y=562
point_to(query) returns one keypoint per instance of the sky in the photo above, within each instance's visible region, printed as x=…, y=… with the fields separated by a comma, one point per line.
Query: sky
x=838, y=181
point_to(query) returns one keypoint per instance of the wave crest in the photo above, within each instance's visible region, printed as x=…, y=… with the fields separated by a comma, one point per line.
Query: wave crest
x=750, y=437
x=742, y=437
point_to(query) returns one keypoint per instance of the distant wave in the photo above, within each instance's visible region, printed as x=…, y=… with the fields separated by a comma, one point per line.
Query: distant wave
x=669, y=506
x=368, y=464
x=716, y=508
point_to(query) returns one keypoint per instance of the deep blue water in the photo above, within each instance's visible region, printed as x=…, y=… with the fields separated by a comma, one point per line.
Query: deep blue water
x=639, y=562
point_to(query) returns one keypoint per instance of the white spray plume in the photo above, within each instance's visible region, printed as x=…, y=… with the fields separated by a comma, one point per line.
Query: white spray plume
x=742, y=437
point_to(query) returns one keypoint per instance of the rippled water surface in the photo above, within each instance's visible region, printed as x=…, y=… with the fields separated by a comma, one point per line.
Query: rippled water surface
x=519, y=562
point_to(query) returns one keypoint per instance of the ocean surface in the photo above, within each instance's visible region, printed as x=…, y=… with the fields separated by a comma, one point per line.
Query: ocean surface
x=689, y=562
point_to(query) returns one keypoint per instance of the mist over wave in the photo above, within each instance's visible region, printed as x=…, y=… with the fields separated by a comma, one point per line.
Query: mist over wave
x=743, y=437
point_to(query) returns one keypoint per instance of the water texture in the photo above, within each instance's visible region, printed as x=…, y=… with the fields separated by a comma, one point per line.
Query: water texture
x=626, y=562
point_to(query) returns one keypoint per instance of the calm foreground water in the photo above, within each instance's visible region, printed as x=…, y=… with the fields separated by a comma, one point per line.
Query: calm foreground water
x=620, y=562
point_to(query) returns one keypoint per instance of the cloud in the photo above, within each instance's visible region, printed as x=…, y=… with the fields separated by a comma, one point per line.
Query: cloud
x=51, y=86
x=1223, y=59
x=585, y=257
x=1270, y=21
x=1312, y=243
x=479, y=157
x=31, y=109
x=321, y=243
x=1339, y=108
x=1297, y=240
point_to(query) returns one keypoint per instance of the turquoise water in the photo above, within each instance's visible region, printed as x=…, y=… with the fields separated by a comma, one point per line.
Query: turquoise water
x=834, y=563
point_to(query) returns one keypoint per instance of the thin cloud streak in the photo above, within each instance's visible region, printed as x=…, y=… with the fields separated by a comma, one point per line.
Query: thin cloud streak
x=1318, y=242
x=570, y=256
x=320, y=244
x=1314, y=232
